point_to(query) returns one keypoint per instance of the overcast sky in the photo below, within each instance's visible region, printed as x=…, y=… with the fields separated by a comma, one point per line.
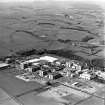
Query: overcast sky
x=16, y=0
x=96, y=1
x=50, y=0
x=99, y=2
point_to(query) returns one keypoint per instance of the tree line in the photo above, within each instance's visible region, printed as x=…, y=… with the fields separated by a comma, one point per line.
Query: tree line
x=96, y=62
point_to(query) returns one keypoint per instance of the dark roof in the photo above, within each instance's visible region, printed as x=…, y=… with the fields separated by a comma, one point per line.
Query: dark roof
x=55, y=73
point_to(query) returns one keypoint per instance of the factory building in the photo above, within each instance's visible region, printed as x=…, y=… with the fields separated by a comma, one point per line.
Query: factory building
x=85, y=76
x=41, y=60
x=68, y=64
x=48, y=58
x=100, y=74
x=54, y=75
x=57, y=62
x=25, y=64
x=4, y=66
x=33, y=68
x=43, y=72
x=78, y=67
x=59, y=68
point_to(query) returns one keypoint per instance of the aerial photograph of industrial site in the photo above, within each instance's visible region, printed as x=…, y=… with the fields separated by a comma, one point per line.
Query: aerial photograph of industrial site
x=52, y=52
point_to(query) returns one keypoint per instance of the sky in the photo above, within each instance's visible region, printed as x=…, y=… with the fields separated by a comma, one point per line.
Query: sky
x=16, y=0
x=100, y=2
x=49, y=0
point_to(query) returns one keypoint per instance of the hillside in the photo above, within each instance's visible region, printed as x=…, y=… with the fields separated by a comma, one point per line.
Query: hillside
x=27, y=26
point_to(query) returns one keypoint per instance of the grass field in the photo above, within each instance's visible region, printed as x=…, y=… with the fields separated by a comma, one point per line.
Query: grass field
x=33, y=25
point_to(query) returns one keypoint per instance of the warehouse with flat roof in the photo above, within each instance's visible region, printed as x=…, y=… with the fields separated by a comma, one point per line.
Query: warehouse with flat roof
x=4, y=65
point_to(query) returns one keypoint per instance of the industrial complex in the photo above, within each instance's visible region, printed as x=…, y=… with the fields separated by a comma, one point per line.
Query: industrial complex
x=71, y=76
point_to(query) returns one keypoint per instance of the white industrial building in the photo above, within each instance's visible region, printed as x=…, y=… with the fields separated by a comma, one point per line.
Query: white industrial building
x=101, y=74
x=24, y=64
x=85, y=76
x=4, y=65
x=48, y=58
x=68, y=64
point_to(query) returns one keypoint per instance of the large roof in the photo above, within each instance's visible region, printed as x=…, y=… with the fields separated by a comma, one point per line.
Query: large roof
x=3, y=65
x=32, y=60
x=48, y=58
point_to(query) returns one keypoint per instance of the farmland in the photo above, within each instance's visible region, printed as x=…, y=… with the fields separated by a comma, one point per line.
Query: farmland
x=26, y=26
